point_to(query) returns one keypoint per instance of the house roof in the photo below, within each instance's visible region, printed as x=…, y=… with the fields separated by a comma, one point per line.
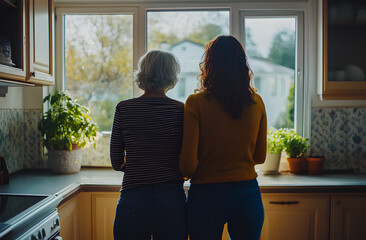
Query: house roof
x=188, y=52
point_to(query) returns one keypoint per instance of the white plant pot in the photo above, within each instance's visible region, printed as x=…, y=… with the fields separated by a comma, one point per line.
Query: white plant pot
x=65, y=161
x=271, y=164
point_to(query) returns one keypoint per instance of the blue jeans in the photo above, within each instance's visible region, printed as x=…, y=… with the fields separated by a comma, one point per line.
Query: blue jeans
x=210, y=206
x=156, y=210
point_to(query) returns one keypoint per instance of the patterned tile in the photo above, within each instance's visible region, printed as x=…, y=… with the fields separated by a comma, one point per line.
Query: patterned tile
x=337, y=133
x=329, y=129
x=11, y=138
x=357, y=138
x=33, y=140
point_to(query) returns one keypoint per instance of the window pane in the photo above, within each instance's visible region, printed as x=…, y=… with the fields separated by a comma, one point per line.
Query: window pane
x=99, y=63
x=270, y=45
x=184, y=33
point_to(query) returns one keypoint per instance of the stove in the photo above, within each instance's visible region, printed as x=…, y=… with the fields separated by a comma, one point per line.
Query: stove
x=29, y=216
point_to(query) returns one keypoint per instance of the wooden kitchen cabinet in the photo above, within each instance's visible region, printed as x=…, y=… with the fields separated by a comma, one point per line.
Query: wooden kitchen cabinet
x=104, y=209
x=348, y=217
x=29, y=31
x=70, y=219
x=288, y=216
x=295, y=216
x=344, y=37
x=40, y=45
x=88, y=215
x=13, y=64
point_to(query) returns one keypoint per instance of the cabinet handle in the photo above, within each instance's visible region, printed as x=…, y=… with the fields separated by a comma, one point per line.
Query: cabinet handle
x=33, y=74
x=284, y=202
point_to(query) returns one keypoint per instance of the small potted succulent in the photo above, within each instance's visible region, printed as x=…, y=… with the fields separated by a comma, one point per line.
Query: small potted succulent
x=295, y=146
x=66, y=127
x=274, y=150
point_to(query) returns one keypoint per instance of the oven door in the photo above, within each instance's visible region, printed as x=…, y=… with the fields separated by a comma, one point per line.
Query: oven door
x=48, y=228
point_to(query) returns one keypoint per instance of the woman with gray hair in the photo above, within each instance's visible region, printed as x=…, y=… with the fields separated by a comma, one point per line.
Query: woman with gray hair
x=145, y=145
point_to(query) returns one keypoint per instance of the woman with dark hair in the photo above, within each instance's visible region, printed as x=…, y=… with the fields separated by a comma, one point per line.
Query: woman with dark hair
x=224, y=136
x=145, y=144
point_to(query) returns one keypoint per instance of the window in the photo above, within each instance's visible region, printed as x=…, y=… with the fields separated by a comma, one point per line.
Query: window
x=274, y=54
x=97, y=50
x=181, y=87
x=184, y=33
x=98, y=53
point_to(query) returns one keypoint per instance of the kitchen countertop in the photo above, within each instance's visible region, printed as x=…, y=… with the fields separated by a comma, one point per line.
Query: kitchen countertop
x=105, y=179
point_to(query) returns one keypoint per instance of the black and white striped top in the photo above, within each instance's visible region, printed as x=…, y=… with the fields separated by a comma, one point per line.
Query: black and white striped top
x=146, y=140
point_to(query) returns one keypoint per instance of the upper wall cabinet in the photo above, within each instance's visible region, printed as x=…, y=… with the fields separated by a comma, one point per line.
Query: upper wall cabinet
x=13, y=40
x=344, y=49
x=26, y=41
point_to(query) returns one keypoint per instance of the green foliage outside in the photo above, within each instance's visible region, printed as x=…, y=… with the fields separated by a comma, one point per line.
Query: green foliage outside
x=205, y=33
x=282, y=50
x=98, y=66
x=295, y=146
x=66, y=123
x=286, y=119
x=274, y=141
x=250, y=46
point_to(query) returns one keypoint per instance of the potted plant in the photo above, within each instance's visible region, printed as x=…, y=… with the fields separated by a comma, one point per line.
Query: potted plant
x=295, y=146
x=274, y=149
x=65, y=128
x=315, y=164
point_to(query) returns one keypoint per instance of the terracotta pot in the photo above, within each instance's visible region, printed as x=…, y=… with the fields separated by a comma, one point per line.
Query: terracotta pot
x=315, y=165
x=295, y=165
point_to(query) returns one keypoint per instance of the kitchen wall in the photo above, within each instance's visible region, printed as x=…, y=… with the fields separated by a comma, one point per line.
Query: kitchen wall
x=338, y=128
x=20, y=141
x=339, y=134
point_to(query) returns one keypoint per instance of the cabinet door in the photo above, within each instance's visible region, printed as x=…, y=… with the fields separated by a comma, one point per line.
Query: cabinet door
x=69, y=214
x=13, y=40
x=41, y=47
x=348, y=218
x=289, y=217
x=344, y=37
x=104, y=209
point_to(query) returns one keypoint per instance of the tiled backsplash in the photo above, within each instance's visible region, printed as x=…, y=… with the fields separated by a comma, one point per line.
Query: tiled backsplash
x=339, y=134
x=12, y=138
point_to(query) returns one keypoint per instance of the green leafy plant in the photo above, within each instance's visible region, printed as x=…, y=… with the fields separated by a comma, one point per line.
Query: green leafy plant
x=66, y=123
x=295, y=145
x=274, y=141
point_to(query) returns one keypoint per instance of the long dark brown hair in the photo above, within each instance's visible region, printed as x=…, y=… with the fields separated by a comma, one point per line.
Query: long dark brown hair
x=226, y=75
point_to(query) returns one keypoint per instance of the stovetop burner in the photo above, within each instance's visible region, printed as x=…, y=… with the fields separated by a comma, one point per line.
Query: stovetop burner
x=12, y=205
x=21, y=212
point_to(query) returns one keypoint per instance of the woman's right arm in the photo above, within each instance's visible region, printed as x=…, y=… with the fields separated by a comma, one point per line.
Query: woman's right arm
x=188, y=158
x=117, y=148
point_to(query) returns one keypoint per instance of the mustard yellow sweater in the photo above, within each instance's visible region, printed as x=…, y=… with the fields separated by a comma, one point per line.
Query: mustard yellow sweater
x=217, y=148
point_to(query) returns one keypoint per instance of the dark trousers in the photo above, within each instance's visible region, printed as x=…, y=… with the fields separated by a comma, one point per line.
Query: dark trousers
x=155, y=210
x=210, y=206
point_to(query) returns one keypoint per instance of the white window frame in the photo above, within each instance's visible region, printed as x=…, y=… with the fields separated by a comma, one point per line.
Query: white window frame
x=299, y=61
x=60, y=35
x=139, y=11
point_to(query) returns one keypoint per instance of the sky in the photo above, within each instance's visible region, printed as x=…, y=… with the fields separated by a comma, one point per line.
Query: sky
x=263, y=30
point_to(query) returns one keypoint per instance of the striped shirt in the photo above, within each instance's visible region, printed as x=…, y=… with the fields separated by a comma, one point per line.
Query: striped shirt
x=146, y=140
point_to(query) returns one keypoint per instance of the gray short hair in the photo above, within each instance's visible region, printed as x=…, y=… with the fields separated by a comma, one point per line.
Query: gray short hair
x=157, y=71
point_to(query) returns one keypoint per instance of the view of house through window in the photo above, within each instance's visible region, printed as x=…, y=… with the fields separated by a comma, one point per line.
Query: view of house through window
x=99, y=62
x=270, y=45
x=184, y=33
